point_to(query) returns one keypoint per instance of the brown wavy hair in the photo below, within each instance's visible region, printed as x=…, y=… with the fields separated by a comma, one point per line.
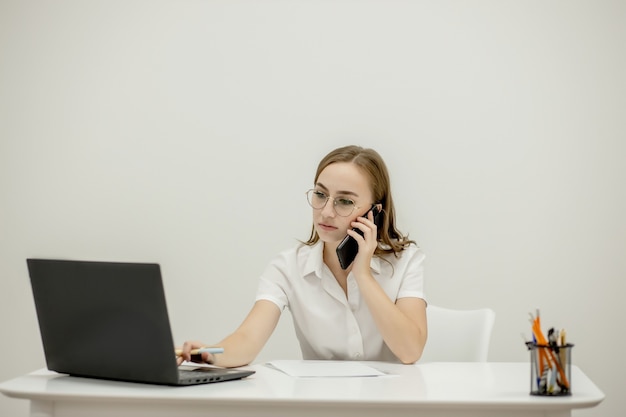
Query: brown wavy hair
x=390, y=239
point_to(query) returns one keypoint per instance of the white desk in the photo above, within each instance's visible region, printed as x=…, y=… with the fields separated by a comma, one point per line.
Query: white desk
x=430, y=389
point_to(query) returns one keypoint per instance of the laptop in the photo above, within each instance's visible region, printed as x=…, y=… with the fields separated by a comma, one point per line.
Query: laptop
x=109, y=320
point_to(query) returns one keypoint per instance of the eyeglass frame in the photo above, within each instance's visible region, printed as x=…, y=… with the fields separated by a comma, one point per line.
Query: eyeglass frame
x=328, y=197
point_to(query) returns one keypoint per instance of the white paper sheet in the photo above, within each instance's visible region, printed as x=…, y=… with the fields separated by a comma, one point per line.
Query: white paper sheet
x=320, y=368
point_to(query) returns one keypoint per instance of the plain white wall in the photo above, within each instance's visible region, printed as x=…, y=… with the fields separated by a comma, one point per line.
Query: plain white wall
x=186, y=132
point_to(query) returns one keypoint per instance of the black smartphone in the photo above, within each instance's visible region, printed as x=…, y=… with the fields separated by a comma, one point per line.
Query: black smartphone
x=348, y=248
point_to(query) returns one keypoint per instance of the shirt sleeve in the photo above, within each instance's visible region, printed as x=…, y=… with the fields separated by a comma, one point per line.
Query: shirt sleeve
x=274, y=283
x=413, y=274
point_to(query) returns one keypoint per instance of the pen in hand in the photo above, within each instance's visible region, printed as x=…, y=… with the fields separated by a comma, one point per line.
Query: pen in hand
x=212, y=350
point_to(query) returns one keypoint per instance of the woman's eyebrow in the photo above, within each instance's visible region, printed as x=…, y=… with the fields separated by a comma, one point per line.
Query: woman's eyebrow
x=319, y=184
x=351, y=193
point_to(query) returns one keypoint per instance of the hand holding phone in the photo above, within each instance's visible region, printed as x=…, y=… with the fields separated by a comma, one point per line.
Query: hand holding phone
x=349, y=247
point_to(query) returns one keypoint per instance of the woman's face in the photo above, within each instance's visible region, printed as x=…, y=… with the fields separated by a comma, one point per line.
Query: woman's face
x=345, y=182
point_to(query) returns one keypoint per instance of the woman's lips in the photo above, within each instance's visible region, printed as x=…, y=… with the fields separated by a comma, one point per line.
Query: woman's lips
x=326, y=227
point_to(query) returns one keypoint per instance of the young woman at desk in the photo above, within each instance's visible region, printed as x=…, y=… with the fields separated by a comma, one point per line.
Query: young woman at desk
x=372, y=310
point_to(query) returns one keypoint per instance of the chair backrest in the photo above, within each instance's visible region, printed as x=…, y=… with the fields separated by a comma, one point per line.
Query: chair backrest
x=458, y=335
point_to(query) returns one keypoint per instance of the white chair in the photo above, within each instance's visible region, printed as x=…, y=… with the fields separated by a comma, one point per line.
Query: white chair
x=458, y=335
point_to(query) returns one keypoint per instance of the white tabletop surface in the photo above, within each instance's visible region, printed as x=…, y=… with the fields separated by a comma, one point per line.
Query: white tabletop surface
x=468, y=386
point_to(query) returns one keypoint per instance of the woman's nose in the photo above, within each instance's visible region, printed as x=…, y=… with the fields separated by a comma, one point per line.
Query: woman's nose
x=329, y=208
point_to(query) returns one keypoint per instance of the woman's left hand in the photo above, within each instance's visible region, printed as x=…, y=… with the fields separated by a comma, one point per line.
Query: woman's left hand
x=367, y=243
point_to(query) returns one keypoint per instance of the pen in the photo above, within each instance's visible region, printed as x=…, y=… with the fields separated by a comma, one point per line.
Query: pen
x=211, y=350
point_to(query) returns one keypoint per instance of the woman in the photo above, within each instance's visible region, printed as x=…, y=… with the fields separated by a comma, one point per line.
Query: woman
x=373, y=310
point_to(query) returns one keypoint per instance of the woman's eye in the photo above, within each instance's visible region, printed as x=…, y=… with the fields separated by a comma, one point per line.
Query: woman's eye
x=319, y=194
x=345, y=202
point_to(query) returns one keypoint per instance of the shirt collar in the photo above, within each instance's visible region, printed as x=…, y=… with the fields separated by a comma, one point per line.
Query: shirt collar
x=315, y=262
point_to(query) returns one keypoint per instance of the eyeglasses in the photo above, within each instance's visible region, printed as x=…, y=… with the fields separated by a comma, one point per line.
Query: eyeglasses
x=318, y=199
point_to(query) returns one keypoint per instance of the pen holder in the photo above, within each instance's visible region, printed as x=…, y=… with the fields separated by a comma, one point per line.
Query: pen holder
x=550, y=369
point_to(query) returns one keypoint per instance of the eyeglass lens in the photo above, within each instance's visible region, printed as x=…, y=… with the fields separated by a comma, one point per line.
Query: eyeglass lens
x=343, y=206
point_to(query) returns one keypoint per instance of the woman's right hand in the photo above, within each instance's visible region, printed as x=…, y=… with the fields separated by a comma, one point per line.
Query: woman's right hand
x=188, y=346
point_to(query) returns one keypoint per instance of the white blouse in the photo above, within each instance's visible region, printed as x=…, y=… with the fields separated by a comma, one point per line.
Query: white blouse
x=328, y=324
